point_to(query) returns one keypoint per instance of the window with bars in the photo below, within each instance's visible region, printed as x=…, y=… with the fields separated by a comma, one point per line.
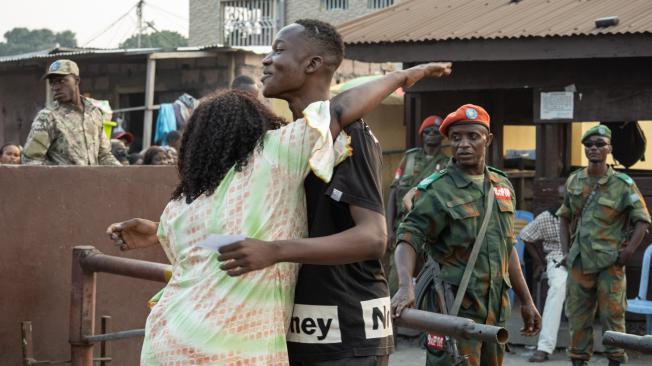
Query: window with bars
x=335, y=4
x=379, y=4
x=249, y=22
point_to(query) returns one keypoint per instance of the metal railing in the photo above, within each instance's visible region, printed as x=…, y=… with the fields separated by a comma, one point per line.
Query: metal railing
x=249, y=22
x=88, y=261
x=379, y=4
x=335, y=4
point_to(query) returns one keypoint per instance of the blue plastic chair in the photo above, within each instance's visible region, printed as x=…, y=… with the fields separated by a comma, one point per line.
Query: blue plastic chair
x=641, y=305
x=523, y=218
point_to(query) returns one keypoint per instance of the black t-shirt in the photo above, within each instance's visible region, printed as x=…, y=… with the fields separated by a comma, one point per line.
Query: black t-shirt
x=343, y=311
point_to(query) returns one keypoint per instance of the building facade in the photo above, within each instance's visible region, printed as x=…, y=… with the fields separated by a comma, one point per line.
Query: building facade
x=255, y=22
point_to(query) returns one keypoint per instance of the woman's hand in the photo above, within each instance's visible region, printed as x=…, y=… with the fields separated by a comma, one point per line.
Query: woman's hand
x=133, y=234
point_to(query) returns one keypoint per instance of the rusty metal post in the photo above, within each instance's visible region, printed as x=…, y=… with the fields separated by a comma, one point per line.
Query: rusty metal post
x=82, y=308
x=452, y=326
x=28, y=345
x=105, y=347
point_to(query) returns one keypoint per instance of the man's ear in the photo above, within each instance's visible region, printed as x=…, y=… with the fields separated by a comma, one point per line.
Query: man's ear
x=314, y=64
x=490, y=138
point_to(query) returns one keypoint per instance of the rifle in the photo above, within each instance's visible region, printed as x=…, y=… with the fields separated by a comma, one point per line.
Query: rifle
x=429, y=276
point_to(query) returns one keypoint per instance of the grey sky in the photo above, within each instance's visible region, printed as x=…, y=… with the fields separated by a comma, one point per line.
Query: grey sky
x=88, y=18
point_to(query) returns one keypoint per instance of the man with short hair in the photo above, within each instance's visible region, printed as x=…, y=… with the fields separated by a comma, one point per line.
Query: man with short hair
x=603, y=219
x=341, y=286
x=71, y=131
x=445, y=222
x=246, y=84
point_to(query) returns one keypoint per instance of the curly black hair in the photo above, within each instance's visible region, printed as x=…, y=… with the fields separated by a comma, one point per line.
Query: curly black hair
x=221, y=133
x=326, y=37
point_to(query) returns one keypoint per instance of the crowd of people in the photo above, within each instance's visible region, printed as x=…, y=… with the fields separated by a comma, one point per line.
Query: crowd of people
x=305, y=283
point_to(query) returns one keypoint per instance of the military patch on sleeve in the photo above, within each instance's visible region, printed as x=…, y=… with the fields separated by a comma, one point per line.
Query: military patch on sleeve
x=424, y=184
x=625, y=178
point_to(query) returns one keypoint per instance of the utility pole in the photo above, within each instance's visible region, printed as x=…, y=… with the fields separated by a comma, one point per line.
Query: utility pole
x=139, y=13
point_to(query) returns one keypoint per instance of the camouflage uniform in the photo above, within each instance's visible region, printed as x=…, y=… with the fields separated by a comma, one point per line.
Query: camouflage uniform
x=415, y=166
x=594, y=277
x=64, y=135
x=445, y=220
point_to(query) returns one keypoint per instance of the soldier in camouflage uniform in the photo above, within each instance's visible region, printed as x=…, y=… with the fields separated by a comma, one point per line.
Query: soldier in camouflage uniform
x=444, y=222
x=70, y=132
x=604, y=218
x=417, y=164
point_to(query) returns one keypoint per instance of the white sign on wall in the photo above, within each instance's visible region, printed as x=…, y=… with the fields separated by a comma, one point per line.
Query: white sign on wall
x=557, y=105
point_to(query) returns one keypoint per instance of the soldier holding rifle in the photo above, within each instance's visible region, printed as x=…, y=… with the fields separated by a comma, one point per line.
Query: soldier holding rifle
x=463, y=217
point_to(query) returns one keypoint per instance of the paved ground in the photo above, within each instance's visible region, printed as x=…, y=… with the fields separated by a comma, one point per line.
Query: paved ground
x=408, y=353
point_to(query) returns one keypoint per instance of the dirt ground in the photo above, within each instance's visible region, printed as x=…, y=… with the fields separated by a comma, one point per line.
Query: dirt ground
x=408, y=353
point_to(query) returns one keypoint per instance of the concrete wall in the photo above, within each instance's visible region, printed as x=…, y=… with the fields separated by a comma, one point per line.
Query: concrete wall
x=45, y=211
x=314, y=9
x=205, y=19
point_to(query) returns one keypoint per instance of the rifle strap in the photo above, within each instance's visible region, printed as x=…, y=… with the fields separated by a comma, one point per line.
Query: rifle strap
x=461, y=290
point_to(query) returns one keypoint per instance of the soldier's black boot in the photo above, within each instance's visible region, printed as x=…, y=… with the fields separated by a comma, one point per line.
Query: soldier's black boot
x=614, y=362
x=578, y=362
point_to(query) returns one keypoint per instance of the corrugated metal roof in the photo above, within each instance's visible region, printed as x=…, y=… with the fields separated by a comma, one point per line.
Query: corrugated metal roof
x=69, y=52
x=440, y=20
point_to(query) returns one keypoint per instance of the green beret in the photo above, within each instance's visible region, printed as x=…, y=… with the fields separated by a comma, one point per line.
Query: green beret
x=599, y=130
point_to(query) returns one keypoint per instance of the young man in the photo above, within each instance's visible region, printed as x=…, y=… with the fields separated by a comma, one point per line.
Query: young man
x=70, y=132
x=341, y=314
x=445, y=221
x=604, y=219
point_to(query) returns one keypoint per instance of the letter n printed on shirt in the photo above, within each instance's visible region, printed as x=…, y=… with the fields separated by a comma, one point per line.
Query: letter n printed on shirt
x=377, y=318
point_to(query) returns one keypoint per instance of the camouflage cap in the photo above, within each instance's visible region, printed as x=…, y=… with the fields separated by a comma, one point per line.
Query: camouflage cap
x=599, y=130
x=62, y=67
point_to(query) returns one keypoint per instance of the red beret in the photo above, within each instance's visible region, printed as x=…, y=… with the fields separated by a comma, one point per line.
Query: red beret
x=469, y=113
x=430, y=121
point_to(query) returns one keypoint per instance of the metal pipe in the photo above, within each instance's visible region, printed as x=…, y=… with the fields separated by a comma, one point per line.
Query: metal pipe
x=82, y=308
x=28, y=345
x=132, y=333
x=452, y=326
x=98, y=262
x=105, y=348
x=628, y=341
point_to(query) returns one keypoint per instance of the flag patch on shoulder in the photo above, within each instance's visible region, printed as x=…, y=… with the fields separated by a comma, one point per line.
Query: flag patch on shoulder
x=502, y=193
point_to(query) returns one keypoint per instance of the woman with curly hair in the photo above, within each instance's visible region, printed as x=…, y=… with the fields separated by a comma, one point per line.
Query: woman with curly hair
x=241, y=172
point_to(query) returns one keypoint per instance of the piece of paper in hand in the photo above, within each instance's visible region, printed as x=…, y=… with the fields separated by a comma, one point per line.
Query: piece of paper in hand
x=215, y=241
